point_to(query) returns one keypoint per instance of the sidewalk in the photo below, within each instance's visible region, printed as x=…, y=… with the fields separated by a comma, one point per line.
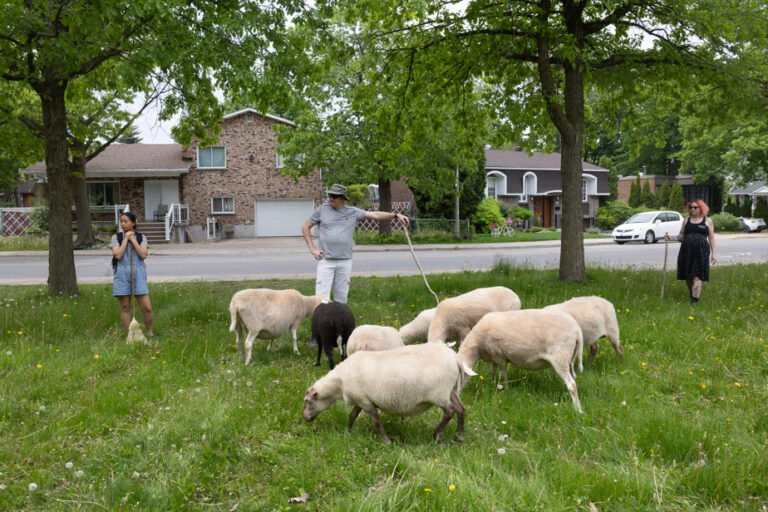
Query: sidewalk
x=286, y=245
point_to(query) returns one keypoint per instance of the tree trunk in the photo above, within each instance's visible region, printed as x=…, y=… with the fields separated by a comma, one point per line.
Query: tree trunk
x=385, y=205
x=456, y=216
x=572, y=266
x=82, y=205
x=61, y=261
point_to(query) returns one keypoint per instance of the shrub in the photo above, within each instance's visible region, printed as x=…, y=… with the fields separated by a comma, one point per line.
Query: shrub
x=635, y=194
x=358, y=196
x=39, y=217
x=613, y=213
x=521, y=213
x=593, y=231
x=662, y=195
x=535, y=229
x=725, y=222
x=761, y=210
x=648, y=198
x=676, y=199
x=488, y=212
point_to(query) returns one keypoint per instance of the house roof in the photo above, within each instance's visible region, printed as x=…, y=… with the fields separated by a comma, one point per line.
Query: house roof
x=127, y=160
x=500, y=159
x=254, y=111
x=753, y=187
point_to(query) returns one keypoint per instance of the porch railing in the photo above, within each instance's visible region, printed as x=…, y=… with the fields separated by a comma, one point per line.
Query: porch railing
x=177, y=214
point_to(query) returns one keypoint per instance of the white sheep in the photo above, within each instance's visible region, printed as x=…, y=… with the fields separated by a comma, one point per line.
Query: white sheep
x=418, y=328
x=531, y=339
x=373, y=337
x=597, y=318
x=456, y=316
x=405, y=381
x=268, y=314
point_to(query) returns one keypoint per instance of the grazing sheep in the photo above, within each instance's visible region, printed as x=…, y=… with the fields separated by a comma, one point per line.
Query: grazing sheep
x=531, y=339
x=332, y=323
x=405, y=381
x=418, y=328
x=456, y=316
x=597, y=318
x=372, y=338
x=268, y=314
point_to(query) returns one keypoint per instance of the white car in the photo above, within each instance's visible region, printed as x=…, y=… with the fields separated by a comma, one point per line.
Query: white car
x=648, y=227
x=748, y=224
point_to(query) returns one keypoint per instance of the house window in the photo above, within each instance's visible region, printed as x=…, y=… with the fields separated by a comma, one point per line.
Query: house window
x=222, y=205
x=249, y=117
x=491, y=187
x=280, y=161
x=212, y=157
x=104, y=193
x=583, y=191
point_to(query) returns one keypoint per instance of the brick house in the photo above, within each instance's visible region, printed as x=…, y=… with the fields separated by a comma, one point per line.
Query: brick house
x=236, y=181
x=534, y=182
x=710, y=191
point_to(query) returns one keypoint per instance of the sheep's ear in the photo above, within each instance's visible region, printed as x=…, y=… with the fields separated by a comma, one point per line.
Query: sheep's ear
x=312, y=393
x=468, y=370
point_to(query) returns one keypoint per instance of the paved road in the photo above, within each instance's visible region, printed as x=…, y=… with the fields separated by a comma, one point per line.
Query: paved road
x=287, y=258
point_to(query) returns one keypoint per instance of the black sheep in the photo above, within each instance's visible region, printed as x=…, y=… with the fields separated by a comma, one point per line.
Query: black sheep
x=329, y=321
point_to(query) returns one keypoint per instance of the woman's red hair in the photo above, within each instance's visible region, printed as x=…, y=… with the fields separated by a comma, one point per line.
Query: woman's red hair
x=703, y=208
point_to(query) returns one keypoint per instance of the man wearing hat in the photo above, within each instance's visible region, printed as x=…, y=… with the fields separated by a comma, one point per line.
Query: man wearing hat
x=337, y=224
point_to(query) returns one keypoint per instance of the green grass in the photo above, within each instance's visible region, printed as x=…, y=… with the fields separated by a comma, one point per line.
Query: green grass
x=23, y=243
x=679, y=423
x=442, y=237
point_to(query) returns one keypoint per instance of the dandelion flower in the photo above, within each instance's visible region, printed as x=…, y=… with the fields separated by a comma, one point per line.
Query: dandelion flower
x=501, y=451
x=690, y=318
x=39, y=366
x=451, y=487
x=32, y=487
x=95, y=356
x=427, y=489
x=703, y=386
x=79, y=473
x=737, y=384
x=69, y=465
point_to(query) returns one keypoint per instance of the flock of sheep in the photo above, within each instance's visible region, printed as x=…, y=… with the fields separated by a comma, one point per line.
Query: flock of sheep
x=384, y=372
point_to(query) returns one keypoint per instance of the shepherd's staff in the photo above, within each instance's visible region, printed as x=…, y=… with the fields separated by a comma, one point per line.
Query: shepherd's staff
x=410, y=246
x=664, y=270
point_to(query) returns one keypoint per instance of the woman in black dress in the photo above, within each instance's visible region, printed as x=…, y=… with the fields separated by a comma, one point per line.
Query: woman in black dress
x=697, y=248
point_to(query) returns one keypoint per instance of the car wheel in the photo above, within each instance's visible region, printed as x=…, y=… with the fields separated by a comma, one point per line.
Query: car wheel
x=650, y=237
x=745, y=229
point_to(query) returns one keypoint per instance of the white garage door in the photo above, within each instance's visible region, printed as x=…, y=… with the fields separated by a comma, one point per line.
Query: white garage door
x=282, y=217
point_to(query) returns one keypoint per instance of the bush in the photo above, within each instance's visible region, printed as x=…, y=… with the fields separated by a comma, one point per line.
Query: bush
x=676, y=199
x=725, y=222
x=535, y=229
x=521, y=213
x=487, y=213
x=40, y=217
x=613, y=213
x=761, y=210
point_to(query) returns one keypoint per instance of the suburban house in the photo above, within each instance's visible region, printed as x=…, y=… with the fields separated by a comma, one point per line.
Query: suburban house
x=235, y=184
x=533, y=181
x=709, y=191
x=750, y=193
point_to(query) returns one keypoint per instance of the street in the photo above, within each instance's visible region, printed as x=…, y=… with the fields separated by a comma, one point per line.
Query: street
x=289, y=259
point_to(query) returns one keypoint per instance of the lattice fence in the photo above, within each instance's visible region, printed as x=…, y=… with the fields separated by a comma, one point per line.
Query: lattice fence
x=403, y=207
x=14, y=221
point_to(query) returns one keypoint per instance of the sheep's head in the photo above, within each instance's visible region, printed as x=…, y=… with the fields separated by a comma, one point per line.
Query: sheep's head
x=315, y=403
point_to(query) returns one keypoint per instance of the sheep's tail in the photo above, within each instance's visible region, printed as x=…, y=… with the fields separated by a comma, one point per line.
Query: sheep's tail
x=233, y=310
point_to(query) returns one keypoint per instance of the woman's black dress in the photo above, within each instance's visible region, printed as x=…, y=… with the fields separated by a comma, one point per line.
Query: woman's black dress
x=693, y=258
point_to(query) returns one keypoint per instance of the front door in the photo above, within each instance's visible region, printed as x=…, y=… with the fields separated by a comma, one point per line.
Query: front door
x=542, y=209
x=158, y=192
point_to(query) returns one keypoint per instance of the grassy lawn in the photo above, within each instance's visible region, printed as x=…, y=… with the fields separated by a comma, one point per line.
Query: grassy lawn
x=679, y=423
x=441, y=237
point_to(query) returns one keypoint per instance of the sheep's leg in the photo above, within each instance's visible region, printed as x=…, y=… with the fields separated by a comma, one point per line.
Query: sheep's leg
x=592, y=352
x=493, y=370
x=570, y=383
x=249, y=347
x=295, y=345
x=503, y=367
x=353, y=416
x=239, y=338
x=338, y=343
x=616, y=343
x=461, y=413
x=319, y=351
x=269, y=347
x=376, y=421
x=329, y=353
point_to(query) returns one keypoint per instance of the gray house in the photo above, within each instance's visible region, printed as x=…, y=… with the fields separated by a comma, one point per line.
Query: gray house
x=534, y=182
x=750, y=193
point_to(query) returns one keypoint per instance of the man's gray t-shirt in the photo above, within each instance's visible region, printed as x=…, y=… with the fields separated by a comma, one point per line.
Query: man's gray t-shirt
x=335, y=230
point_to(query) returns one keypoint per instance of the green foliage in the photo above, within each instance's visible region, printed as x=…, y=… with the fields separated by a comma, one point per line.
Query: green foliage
x=521, y=213
x=613, y=213
x=433, y=192
x=487, y=213
x=606, y=162
x=725, y=222
x=635, y=194
x=662, y=195
x=358, y=195
x=649, y=200
x=676, y=198
x=40, y=218
x=761, y=209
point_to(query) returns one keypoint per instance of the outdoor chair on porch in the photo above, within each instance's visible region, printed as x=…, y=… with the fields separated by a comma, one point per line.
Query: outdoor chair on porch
x=162, y=210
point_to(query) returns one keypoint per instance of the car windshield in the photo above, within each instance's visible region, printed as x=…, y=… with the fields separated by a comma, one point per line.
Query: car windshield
x=641, y=218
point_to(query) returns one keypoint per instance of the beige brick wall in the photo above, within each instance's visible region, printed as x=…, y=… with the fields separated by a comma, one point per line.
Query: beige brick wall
x=243, y=178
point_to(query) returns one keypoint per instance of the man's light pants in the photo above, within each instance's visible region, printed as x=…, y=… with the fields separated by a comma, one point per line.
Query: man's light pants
x=334, y=274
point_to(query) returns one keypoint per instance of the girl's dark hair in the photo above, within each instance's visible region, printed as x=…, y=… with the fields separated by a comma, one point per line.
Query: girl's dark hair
x=131, y=216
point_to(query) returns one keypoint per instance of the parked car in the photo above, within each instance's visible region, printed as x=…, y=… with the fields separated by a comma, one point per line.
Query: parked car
x=648, y=227
x=748, y=224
